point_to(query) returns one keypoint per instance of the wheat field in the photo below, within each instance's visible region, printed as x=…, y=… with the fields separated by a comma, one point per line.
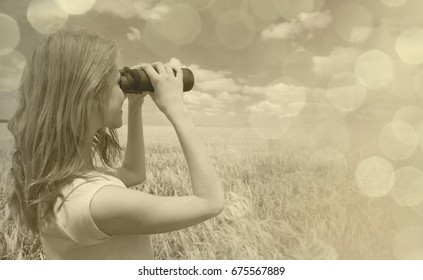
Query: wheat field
x=282, y=202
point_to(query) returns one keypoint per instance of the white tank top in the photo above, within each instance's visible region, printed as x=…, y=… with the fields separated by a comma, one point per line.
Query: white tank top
x=74, y=235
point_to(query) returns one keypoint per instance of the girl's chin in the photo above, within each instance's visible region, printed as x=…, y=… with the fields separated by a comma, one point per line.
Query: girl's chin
x=115, y=125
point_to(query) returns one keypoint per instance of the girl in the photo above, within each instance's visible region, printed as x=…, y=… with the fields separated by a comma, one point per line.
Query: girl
x=70, y=106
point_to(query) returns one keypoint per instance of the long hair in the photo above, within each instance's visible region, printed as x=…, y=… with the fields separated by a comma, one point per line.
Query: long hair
x=66, y=79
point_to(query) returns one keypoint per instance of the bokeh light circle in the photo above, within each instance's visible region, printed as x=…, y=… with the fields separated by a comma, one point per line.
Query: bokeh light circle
x=409, y=45
x=269, y=126
x=180, y=25
x=419, y=132
x=408, y=243
x=418, y=83
x=414, y=193
x=155, y=42
x=317, y=249
x=418, y=208
x=373, y=176
x=289, y=99
x=263, y=54
x=9, y=31
x=281, y=6
x=335, y=163
x=398, y=140
x=12, y=66
x=402, y=83
x=411, y=114
x=76, y=7
x=330, y=139
x=247, y=137
x=374, y=69
x=235, y=29
x=46, y=16
x=319, y=100
x=220, y=7
x=352, y=22
x=293, y=9
x=393, y=3
x=406, y=184
x=345, y=92
x=318, y=4
x=299, y=66
x=200, y=5
x=265, y=10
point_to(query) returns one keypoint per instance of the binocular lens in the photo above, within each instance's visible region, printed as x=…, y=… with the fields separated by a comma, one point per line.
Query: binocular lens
x=137, y=81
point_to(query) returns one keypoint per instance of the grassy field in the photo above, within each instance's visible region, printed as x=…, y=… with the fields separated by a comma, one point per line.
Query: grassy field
x=282, y=202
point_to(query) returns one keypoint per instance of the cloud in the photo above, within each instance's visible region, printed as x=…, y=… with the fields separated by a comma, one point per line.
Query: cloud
x=198, y=98
x=145, y=9
x=204, y=103
x=316, y=20
x=281, y=99
x=284, y=92
x=277, y=91
x=217, y=93
x=232, y=97
x=285, y=30
x=212, y=111
x=305, y=22
x=209, y=80
x=221, y=84
x=264, y=107
x=253, y=90
x=360, y=34
x=151, y=9
x=134, y=34
x=341, y=59
x=221, y=100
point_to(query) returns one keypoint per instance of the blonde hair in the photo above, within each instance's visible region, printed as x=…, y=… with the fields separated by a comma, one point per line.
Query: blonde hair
x=65, y=80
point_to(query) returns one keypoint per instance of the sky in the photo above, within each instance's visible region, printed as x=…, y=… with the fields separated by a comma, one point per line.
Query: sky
x=323, y=72
x=274, y=64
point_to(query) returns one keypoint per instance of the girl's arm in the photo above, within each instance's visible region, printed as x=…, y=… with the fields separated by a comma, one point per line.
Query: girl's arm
x=117, y=210
x=132, y=171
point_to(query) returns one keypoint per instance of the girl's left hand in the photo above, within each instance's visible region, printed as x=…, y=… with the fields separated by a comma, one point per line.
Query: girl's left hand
x=136, y=98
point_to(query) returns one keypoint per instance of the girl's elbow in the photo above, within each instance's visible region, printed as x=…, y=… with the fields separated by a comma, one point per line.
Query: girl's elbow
x=218, y=205
x=219, y=208
x=138, y=180
x=221, y=200
x=141, y=176
x=142, y=179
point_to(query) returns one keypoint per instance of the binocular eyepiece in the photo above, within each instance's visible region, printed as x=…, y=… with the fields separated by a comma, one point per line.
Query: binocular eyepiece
x=136, y=80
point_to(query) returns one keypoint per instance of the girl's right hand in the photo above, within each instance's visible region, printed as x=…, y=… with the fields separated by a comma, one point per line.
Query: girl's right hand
x=168, y=88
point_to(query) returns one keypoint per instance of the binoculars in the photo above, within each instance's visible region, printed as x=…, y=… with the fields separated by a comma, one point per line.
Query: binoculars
x=136, y=80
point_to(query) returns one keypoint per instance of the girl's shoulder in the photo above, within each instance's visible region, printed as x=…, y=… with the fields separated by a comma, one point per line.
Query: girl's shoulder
x=72, y=210
x=81, y=190
x=105, y=170
x=94, y=179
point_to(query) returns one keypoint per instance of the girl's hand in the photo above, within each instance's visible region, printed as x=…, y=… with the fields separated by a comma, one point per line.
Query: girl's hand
x=168, y=88
x=136, y=99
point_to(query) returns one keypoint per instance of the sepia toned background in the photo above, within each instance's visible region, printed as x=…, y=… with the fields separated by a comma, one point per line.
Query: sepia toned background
x=311, y=111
